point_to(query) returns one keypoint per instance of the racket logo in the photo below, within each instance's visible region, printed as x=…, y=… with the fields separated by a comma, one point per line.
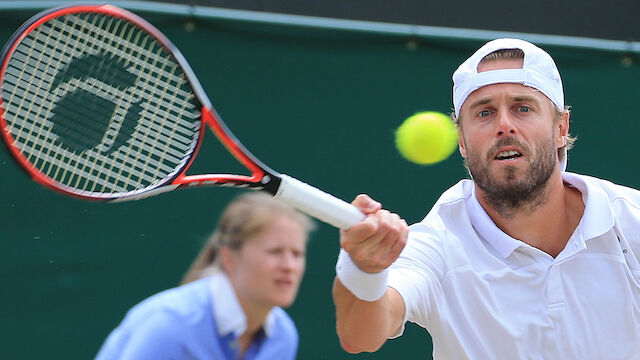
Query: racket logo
x=90, y=112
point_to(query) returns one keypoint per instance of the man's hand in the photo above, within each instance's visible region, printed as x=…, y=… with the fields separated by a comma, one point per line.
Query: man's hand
x=376, y=242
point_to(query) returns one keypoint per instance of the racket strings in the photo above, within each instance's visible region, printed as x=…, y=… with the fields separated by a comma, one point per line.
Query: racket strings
x=108, y=38
x=71, y=123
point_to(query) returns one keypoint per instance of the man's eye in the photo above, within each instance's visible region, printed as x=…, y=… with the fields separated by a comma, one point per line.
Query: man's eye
x=524, y=109
x=484, y=113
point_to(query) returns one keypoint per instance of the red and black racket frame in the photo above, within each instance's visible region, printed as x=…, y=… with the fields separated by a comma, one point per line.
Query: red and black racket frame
x=262, y=177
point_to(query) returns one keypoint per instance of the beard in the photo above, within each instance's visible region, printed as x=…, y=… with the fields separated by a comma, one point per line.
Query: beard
x=503, y=191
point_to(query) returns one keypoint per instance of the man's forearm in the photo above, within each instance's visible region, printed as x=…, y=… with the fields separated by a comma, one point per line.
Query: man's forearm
x=363, y=325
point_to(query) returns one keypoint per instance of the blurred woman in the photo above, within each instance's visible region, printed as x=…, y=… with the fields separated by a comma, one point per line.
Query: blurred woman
x=229, y=305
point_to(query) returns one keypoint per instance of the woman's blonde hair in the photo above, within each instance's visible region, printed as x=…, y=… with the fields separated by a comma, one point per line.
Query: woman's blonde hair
x=247, y=215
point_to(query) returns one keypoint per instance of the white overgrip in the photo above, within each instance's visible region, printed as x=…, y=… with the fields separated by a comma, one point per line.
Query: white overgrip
x=318, y=203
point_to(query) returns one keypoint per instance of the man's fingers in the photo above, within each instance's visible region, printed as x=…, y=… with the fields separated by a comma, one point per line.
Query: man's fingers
x=366, y=204
x=395, y=232
x=376, y=242
x=359, y=233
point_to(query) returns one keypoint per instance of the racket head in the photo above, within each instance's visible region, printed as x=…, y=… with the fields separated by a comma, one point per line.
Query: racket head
x=97, y=103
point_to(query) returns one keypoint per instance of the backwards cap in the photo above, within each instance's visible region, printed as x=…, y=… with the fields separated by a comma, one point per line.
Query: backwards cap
x=538, y=71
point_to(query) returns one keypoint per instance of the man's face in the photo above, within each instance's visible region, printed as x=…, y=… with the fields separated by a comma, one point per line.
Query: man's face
x=509, y=138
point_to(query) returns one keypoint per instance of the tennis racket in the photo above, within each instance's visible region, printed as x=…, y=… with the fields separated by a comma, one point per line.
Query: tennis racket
x=97, y=103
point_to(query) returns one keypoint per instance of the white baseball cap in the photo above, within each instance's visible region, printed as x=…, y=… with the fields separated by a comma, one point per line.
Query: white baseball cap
x=538, y=71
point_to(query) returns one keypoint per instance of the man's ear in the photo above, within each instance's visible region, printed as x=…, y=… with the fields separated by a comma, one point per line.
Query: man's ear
x=461, y=145
x=563, y=130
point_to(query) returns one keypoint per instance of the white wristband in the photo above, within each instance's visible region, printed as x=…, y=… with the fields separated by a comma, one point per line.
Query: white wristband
x=364, y=285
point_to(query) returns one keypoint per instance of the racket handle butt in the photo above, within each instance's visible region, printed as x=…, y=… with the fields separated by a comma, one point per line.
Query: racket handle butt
x=318, y=203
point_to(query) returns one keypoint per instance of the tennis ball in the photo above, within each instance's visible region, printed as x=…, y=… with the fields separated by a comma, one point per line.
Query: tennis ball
x=427, y=138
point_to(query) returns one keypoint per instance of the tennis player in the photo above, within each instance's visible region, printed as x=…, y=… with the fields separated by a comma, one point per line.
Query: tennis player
x=523, y=261
x=229, y=306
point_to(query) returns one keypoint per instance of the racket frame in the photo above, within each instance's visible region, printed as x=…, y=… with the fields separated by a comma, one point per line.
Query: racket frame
x=262, y=177
x=306, y=198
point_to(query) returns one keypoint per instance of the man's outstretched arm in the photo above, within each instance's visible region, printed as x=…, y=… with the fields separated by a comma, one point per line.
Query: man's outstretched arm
x=367, y=311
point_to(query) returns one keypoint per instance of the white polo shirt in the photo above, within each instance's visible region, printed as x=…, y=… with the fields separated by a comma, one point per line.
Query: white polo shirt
x=482, y=294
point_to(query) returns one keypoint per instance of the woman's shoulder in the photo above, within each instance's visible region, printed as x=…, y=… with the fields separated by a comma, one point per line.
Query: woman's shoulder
x=282, y=321
x=182, y=302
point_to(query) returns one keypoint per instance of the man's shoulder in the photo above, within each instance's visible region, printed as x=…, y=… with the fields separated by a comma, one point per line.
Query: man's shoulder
x=451, y=206
x=614, y=192
x=457, y=193
x=448, y=218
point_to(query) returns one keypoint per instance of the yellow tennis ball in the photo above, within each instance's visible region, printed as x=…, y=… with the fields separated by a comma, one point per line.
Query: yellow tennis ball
x=427, y=138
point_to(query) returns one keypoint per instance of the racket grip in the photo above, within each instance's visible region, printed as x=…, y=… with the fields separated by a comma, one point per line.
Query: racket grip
x=318, y=203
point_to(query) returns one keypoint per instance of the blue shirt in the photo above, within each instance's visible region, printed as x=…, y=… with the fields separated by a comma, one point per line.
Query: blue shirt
x=200, y=320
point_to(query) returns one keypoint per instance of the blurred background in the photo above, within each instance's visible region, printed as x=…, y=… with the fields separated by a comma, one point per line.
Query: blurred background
x=315, y=90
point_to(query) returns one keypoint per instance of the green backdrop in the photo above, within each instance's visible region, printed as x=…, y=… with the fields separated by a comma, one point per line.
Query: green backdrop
x=320, y=105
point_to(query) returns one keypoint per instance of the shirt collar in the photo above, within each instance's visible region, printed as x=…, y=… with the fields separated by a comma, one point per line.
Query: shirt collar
x=596, y=219
x=598, y=216
x=487, y=229
x=227, y=312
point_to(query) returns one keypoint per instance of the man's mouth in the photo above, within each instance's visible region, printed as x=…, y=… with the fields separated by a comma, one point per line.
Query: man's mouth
x=508, y=155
